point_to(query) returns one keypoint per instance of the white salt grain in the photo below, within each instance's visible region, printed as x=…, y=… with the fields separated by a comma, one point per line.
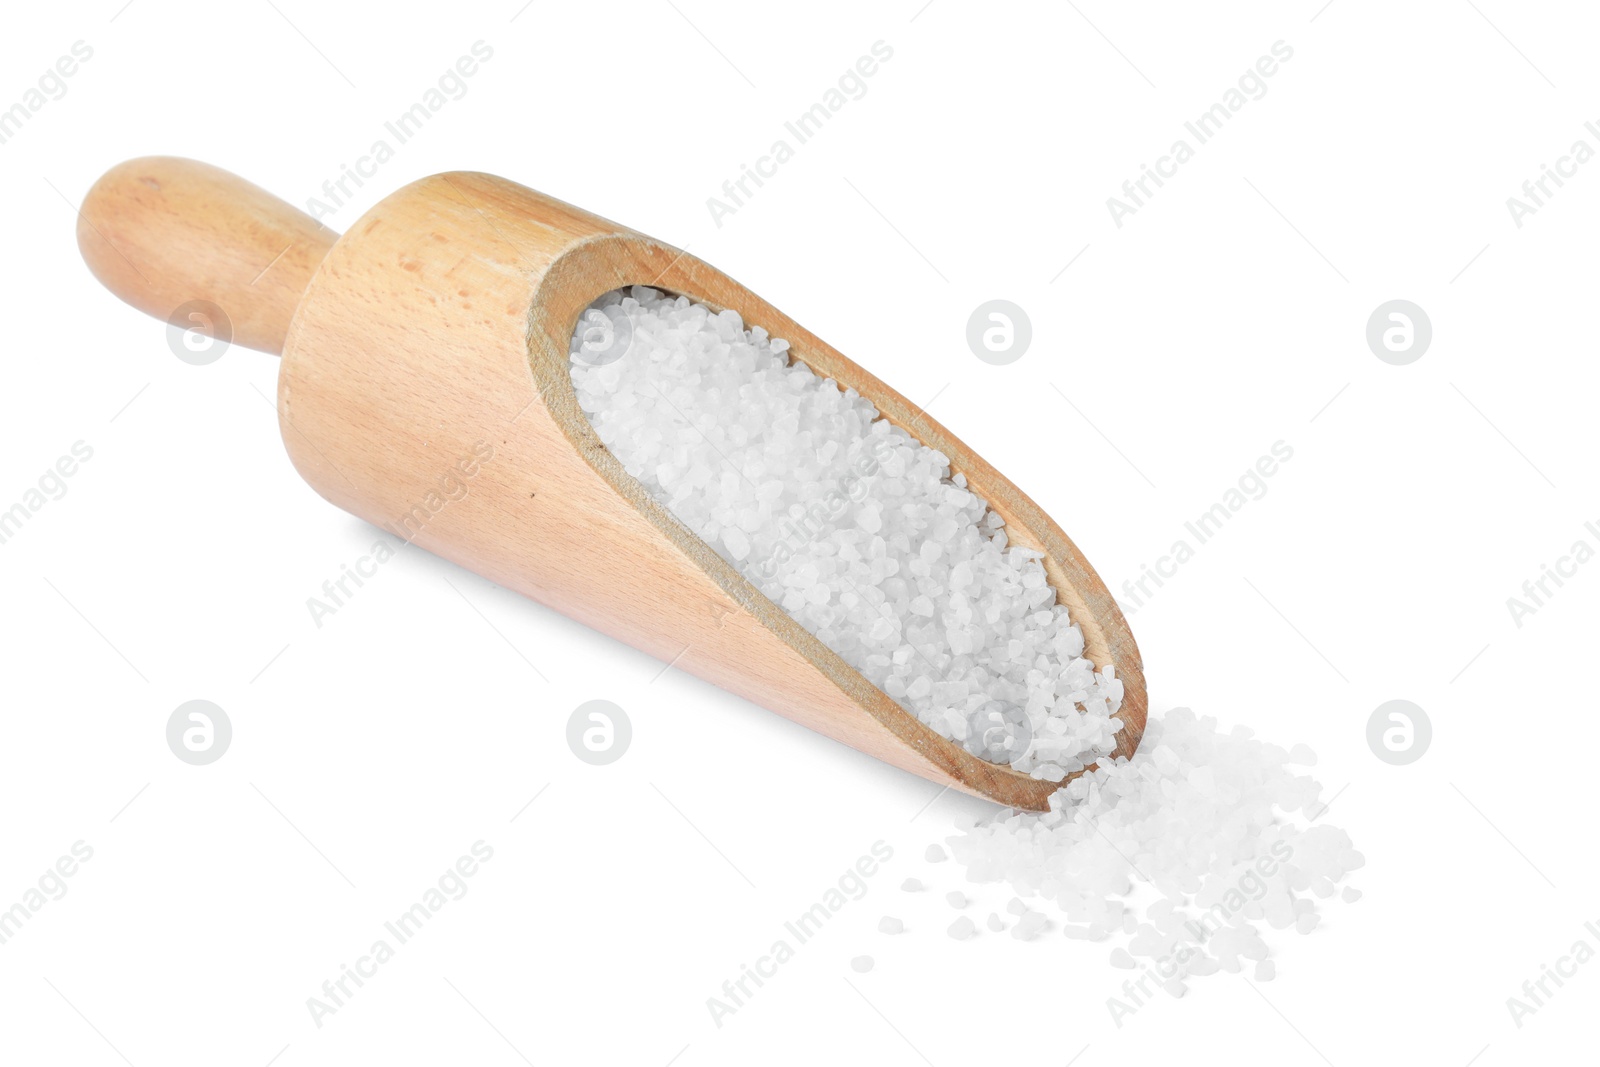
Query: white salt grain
x=957, y=899
x=994, y=922
x=866, y=538
x=861, y=964
x=1192, y=850
x=1029, y=926
x=890, y=925
x=911, y=885
x=854, y=528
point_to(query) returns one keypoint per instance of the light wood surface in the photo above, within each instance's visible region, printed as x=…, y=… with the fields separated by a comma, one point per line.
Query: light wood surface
x=437, y=329
x=160, y=232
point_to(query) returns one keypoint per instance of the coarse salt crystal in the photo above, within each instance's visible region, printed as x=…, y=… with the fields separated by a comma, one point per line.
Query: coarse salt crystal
x=1193, y=851
x=853, y=527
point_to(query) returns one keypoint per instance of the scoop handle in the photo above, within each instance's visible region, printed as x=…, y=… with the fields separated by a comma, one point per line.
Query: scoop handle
x=163, y=232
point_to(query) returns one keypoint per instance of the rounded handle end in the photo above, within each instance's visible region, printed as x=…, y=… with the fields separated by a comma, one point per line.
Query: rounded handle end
x=170, y=235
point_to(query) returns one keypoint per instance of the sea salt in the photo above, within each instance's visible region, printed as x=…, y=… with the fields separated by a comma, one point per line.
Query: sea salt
x=890, y=925
x=861, y=964
x=858, y=531
x=1029, y=926
x=1192, y=852
x=1188, y=854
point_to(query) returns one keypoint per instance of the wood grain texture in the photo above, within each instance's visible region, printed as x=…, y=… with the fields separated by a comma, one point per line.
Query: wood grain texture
x=425, y=387
x=440, y=323
x=161, y=231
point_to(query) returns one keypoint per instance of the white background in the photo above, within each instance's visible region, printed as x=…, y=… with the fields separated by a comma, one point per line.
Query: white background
x=1227, y=314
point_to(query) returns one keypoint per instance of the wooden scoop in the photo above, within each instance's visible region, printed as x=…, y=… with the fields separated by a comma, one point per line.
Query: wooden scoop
x=433, y=338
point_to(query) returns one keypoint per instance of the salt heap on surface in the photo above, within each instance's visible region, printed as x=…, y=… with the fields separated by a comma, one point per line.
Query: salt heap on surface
x=856, y=529
x=1214, y=825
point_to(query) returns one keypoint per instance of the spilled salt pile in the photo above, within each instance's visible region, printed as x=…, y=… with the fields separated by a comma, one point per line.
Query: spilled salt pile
x=1183, y=854
x=858, y=531
x=1187, y=855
